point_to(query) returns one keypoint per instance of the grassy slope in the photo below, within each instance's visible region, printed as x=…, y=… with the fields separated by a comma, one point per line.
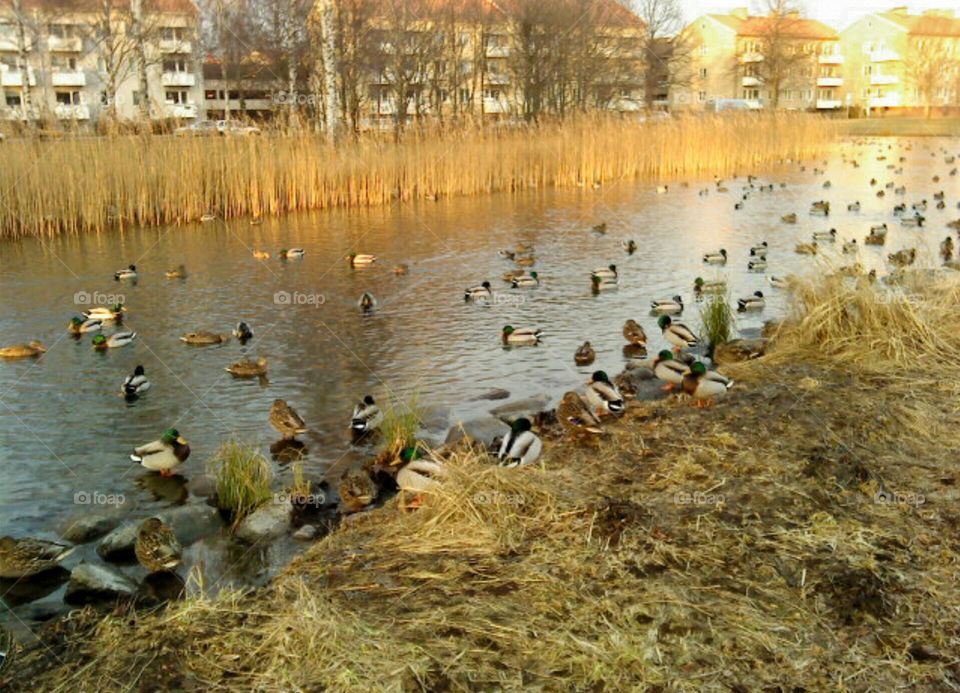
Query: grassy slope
x=599, y=571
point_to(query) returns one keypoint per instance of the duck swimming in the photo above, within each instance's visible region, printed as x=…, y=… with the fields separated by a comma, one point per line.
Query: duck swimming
x=22, y=351
x=202, y=338
x=717, y=258
x=585, y=355
x=243, y=332
x=248, y=368
x=126, y=273
x=114, y=341
x=81, y=326
x=291, y=253
x=526, y=282
x=521, y=336
x=111, y=314
x=361, y=259
x=667, y=306
x=367, y=302
x=751, y=303
x=136, y=384
x=634, y=333
x=367, y=416
x=178, y=273
x=478, y=293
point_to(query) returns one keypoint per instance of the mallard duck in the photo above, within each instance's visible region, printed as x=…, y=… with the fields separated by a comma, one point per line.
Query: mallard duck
x=112, y=314
x=759, y=250
x=778, y=282
x=603, y=284
x=367, y=302
x=509, y=276
x=854, y=206
x=521, y=336
x=357, y=490
x=829, y=236
x=157, y=547
x=669, y=370
x=677, y=334
x=136, y=384
x=634, y=333
x=603, y=395
x=630, y=246
x=955, y=224
x=209, y=216
x=528, y=261
x=506, y=254
x=608, y=272
x=946, y=249
x=520, y=248
x=163, y=455
x=903, y=258
x=478, y=293
x=915, y=220
x=287, y=421
x=20, y=558
x=575, y=416
x=919, y=206
x=717, y=258
x=520, y=446
x=117, y=339
x=827, y=185
x=261, y=255
x=705, y=386
x=22, y=351
x=248, y=368
x=202, y=338
x=420, y=475
x=360, y=259
x=667, y=306
x=939, y=195
x=126, y=273
x=875, y=239
x=850, y=246
x=78, y=325
x=701, y=286
x=789, y=218
x=854, y=270
x=401, y=269
x=367, y=416
x=585, y=355
x=806, y=248
x=527, y=282
x=820, y=208
x=662, y=189
x=290, y=253
x=758, y=265
x=901, y=190
x=600, y=228
x=881, y=193
x=751, y=303
x=179, y=273
x=242, y=331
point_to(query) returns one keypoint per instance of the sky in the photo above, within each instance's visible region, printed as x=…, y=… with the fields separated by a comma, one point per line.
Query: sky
x=837, y=13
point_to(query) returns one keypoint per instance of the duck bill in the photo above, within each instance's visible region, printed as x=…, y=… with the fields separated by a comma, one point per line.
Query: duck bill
x=181, y=440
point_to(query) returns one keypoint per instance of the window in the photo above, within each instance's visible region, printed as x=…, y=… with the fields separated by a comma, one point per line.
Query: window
x=63, y=31
x=808, y=94
x=703, y=73
x=68, y=98
x=176, y=97
x=751, y=94
x=175, y=65
x=703, y=50
x=701, y=96
x=867, y=70
x=13, y=99
x=491, y=94
x=63, y=63
x=172, y=33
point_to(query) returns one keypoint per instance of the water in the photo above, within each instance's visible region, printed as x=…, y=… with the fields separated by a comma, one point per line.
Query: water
x=66, y=431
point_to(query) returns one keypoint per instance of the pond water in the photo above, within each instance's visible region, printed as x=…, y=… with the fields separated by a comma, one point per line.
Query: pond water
x=65, y=431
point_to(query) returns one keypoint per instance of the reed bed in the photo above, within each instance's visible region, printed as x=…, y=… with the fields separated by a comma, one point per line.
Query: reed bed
x=801, y=534
x=80, y=185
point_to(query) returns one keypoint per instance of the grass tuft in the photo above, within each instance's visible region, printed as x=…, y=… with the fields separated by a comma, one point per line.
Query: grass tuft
x=718, y=321
x=243, y=479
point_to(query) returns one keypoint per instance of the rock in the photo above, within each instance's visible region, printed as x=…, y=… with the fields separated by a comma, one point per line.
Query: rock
x=118, y=545
x=529, y=407
x=92, y=525
x=739, y=350
x=202, y=486
x=91, y=583
x=483, y=430
x=494, y=394
x=305, y=533
x=269, y=522
x=192, y=521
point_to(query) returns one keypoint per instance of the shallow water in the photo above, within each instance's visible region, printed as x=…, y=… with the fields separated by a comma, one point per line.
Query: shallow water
x=66, y=431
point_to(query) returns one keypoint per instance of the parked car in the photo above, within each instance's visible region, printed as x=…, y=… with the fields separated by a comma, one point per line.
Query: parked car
x=236, y=127
x=202, y=128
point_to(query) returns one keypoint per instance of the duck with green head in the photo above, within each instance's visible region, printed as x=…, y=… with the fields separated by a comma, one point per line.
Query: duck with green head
x=117, y=339
x=520, y=336
x=163, y=455
x=603, y=395
x=526, y=281
x=80, y=325
x=678, y=334
x=291, y=253
x=669, y=370
x=705, y=386
x=520, y=446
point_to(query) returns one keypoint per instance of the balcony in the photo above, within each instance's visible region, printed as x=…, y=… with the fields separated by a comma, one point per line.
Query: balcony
x=831, y=59
x=18, y=113
x=495, y=105
x=876, y=79
x=8, y=43
x=888, y=101
x=69, y=78
x=751, y=58
x=178, y=79
x=751, y=81
x=180, y=110
x=496, y=78
x=829, y=104
x=884, y=55
x=175, y=46
x=66, y=111
x=829, y=81
x=236, y=105
x=65, y=44
x=14, y=78
x=498, y=52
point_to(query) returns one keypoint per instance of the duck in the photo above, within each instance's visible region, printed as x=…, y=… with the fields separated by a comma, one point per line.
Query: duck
x=789, y=218
x=248, y=368
x=261, y=255
x=573, y=413
x=286, y=420
x=521, y=248
x=113, y=313
x=78, y=325
x=202, y=338
x=850, y=246
x=669, y=370
x=367, y=303
x=701, y=286
x=630, y=246
x=585, y=355
x=676, y=333
x=157, y=547
x=608, y=272
x=881, y=193
x=778, y=282
x=634, y=333
x=242, y=331
x=357, y=490
x=599, y=284
x=528, y=261
x=919, y=206
x=717, y=258
x=23, y=351
x=136, y=384
x=289, y=253
x=510, y=275
x=527, y=281
x=256, y=221
x=367, y=416
x=419, y=475
x=705, y=386
x=854, y=270
x=478, y=293
x=667, y=306
x=751, y=303
x=663, y=189
x=506, y=254
x=209, y=216
x=946, y=249
x=164, y=454
x=21, y=558
x=759, y=250
x=757, y=265
x=903, y=258
x=821, y=208
x=829, y=236
x=806, y=248
x=180, y=272
x=521, y=336
x=116, y=340
x=600, y=228
x=854, y=206
x=603, y=395
x=916, y=220
x=401, y=269
x=126, y=273
x=521, y=446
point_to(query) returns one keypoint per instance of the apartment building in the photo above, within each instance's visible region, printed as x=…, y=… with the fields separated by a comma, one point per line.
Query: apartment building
x=782, y=61
x=897, y=61
x=78, y=61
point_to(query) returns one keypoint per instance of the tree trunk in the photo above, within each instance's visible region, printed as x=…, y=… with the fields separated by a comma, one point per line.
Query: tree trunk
x=331, y=97
x=136, y=7
x=26, y=100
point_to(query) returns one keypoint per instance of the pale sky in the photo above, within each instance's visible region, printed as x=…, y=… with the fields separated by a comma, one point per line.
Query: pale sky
x=837, y=13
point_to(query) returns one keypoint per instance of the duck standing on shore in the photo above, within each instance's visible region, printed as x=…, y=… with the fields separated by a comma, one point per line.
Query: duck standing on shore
x=157, y=547
x=705, y=386
x=520, y=446
x=163, y=455
x=21, y=558
x=678, y=334
x=669, y=370
x=575, y=416
x=603, y=395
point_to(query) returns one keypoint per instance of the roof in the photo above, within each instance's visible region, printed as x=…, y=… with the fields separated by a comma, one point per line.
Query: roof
x=608, y=13
x=925, y=24
x=91, y=6
x=795, y=27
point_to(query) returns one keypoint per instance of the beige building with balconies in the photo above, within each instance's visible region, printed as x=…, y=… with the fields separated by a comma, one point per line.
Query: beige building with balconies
x=70, y=62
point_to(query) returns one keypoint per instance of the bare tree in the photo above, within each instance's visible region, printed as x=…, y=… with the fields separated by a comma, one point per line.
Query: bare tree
x=666, y=51
x=114, y=46
x=930, y=65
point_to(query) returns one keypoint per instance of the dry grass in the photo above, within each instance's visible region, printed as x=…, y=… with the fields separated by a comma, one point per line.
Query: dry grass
x=737, y=548
x=78, y=185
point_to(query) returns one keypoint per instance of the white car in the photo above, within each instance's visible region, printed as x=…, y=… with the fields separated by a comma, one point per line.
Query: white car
x=202, y=128
x=236, y=127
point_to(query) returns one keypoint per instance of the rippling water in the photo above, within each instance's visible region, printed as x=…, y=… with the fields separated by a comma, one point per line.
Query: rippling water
x=65, y=430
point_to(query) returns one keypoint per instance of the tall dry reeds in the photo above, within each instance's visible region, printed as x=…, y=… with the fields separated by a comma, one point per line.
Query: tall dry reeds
x=79, y=185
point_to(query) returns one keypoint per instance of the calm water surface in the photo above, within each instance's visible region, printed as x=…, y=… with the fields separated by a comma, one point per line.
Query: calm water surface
x=66, y=431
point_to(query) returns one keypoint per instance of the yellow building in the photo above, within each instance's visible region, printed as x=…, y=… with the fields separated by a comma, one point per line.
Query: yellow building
x=746, y=61
x=899, y=61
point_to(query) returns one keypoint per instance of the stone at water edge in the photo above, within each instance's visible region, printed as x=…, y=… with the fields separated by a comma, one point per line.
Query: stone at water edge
x=269, y=522
x=192, y=521
x=494, y=394
x=90, y=526
x=305, y=533
x=483, y=430
x=92, y=583
x=528, y=407
x=204, y=486
x=118, y=545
